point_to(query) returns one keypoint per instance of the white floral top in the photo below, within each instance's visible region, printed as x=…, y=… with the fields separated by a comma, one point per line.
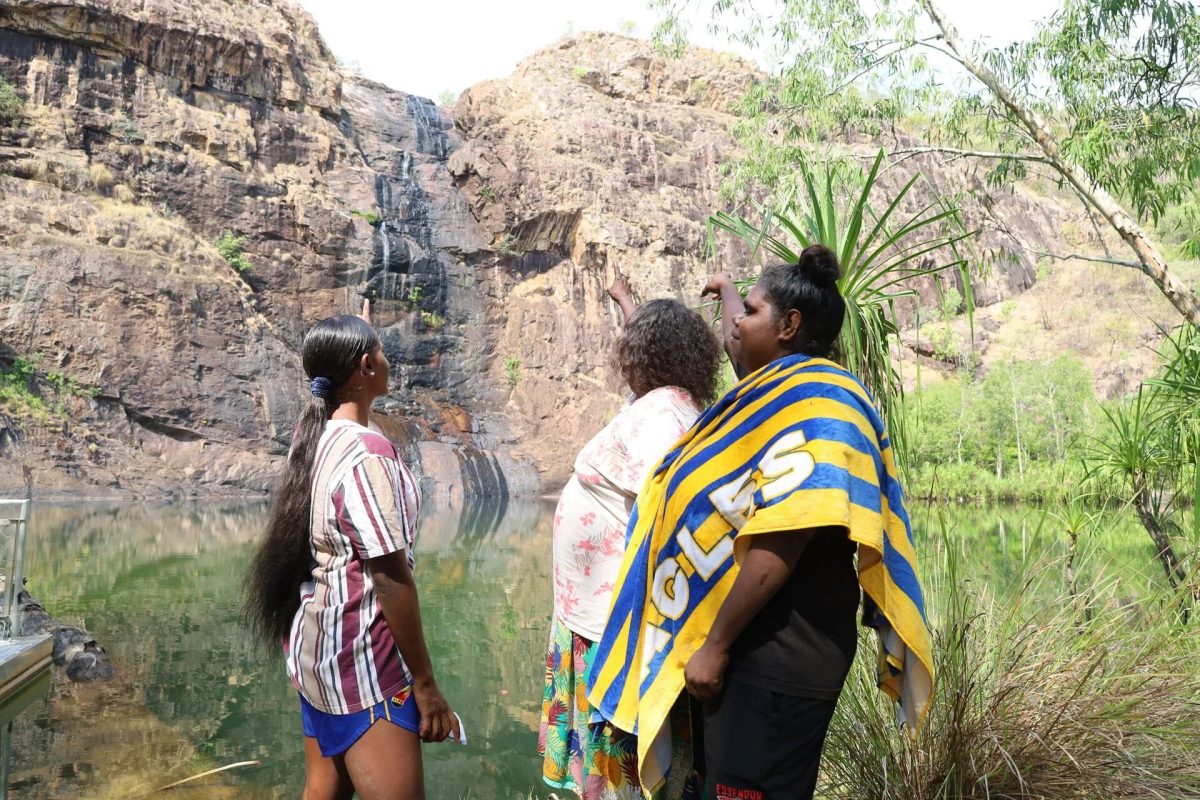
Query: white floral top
x=594, y=509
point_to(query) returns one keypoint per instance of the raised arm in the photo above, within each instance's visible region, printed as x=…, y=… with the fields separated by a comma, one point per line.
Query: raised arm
x=720, y=287
x=620, y=292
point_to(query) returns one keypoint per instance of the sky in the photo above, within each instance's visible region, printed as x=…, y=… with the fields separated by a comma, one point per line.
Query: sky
x=430, y=47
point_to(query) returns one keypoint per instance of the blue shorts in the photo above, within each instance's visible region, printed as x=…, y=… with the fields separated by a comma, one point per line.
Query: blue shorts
x=335, y=733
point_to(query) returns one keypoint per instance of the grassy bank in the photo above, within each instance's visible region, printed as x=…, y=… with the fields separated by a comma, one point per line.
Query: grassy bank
x=1042, y=692
x=1042, y=482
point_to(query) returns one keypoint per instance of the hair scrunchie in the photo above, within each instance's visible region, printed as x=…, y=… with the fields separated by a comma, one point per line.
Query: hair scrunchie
x=321, y=387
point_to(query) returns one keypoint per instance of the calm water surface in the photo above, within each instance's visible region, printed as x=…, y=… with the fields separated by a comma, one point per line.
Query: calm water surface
x=159, y=588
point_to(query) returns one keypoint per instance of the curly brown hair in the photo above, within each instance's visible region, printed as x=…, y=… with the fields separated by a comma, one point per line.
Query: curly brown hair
x=667, y=344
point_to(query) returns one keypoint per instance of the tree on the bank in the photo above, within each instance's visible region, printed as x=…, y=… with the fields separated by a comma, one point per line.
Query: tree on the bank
x=1101, y=99
x=1150, y=453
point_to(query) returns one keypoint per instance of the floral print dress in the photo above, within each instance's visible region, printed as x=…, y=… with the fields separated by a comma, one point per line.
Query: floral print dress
x=594, y=759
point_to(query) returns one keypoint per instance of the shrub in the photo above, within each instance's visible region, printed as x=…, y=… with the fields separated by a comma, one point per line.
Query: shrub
x=371, y=217
x=512, y=371
x=508, y=245
x=100, y=177
x=126, y=131
x=10, y=102
x=231, y=248
x=433, y=319
x=957, y=482
x=66, y=177
x=17, y=394
x=487, y=193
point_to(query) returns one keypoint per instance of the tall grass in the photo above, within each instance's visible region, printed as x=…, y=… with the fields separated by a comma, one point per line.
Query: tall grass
x=1030, y=701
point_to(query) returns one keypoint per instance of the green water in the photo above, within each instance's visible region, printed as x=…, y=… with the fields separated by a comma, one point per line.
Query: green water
x=159, y=587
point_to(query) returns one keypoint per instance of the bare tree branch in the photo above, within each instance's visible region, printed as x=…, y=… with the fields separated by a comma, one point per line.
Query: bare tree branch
x=1116, y=262
x=1091, y=213
x=1002, y=227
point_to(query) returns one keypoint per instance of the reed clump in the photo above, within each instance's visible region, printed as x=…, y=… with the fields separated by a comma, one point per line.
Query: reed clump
x=1035, y=698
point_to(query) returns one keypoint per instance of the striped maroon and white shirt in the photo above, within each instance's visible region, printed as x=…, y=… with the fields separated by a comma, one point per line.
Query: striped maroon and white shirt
x=340, y=654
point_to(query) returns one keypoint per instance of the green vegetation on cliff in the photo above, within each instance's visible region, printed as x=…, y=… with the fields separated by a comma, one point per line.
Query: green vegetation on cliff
x=233, y=249
x=10, y=102
x=17, y=396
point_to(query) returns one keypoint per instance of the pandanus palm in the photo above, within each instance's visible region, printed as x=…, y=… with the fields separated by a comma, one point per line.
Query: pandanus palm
x=1150, y=449
x=881, y=253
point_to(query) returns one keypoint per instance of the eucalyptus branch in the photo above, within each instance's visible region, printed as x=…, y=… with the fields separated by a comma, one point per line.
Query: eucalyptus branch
x=959, y=152
x=1091, y=214
x=950, y=54
x=1151, y=260
x=879, y=60
x=1019, y=244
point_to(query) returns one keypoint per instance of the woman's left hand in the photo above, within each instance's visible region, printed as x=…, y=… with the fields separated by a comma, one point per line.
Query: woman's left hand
x=705, y=672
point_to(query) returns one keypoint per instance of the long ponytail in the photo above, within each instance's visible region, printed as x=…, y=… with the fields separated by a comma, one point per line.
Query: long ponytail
x=283, y=561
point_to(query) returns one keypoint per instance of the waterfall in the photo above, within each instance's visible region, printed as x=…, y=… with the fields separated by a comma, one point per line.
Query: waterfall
x=388, y=282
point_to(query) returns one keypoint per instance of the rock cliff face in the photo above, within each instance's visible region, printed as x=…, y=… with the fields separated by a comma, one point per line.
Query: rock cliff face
x=146, y=361
x=146, y=132
x=600, y=153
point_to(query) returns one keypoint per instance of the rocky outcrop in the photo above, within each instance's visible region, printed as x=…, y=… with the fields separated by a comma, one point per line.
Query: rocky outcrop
x=600, y=153
x=146, y=132
x=76, y=651
x=141, y=357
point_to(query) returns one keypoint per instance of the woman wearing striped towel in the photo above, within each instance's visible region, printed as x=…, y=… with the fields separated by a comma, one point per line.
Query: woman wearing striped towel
x=751, y=547
x=332, y=581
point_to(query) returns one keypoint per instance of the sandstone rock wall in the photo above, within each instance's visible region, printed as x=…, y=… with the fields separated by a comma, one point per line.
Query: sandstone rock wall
x=486, y=235
x=146, y=132
x=600, y=153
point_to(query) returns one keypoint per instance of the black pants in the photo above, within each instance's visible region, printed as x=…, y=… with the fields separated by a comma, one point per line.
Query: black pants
x=763, y=745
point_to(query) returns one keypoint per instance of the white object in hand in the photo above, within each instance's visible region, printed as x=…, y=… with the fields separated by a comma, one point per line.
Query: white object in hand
x=462, y=731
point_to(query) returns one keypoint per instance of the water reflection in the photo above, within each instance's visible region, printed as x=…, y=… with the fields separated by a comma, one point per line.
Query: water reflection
x=997, y=544
x=10, y=709
x=159, y=587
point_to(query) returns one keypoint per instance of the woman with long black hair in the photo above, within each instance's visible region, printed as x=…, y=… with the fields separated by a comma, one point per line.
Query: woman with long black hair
x=332, y=582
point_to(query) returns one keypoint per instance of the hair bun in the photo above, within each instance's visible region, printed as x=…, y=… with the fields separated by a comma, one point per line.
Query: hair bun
x=819, y=264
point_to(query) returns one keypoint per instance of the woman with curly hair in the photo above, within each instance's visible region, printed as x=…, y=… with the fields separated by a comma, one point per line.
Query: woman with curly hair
x=669, y=358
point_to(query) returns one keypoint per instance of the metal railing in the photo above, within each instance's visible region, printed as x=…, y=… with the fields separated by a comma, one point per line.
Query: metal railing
x=14, y=519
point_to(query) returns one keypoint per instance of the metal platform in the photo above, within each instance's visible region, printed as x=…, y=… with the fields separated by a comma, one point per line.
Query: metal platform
x=22, y=659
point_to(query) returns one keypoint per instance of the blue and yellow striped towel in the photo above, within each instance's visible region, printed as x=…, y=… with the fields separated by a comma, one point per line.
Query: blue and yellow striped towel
x=797, y=444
